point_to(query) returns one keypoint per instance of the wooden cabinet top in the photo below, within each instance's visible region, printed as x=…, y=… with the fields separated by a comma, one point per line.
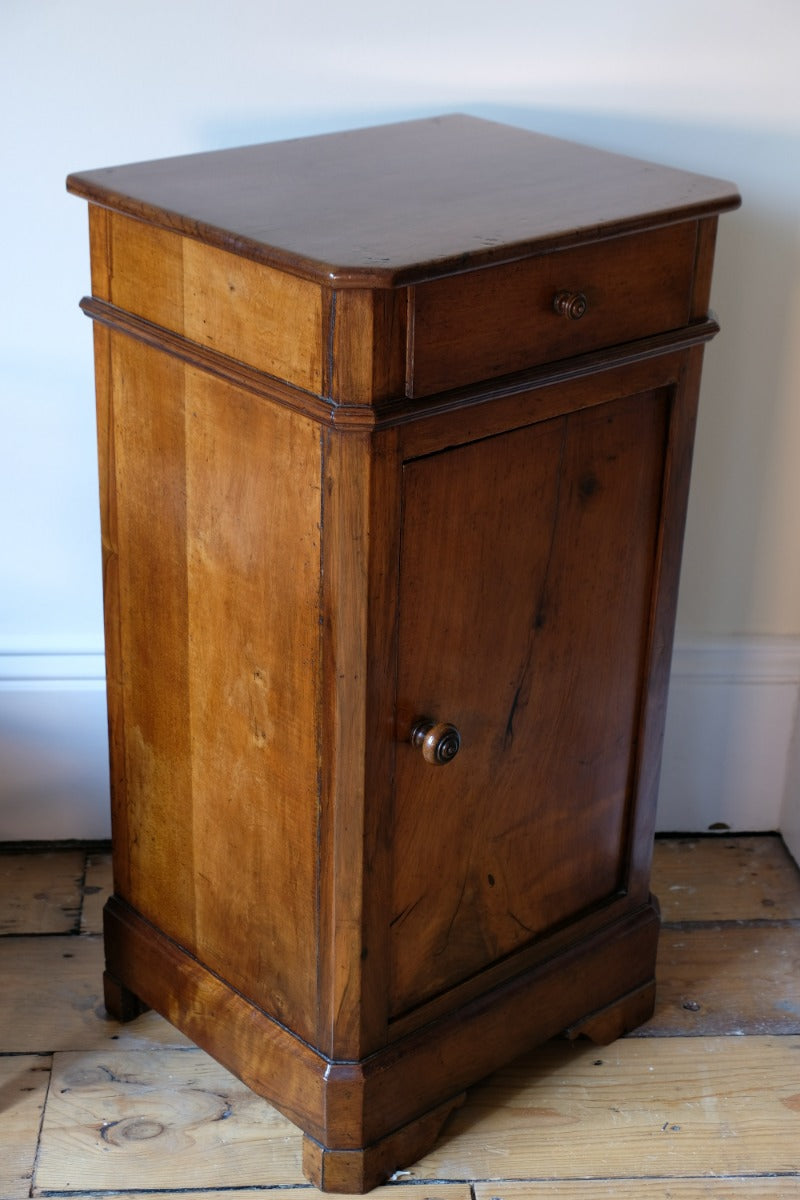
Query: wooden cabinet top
x=397, y=204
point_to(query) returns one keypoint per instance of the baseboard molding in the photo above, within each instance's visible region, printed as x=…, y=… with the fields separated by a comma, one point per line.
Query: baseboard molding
x=53, y=746
x=731, y=750
x=790, y=816
x=731, y=726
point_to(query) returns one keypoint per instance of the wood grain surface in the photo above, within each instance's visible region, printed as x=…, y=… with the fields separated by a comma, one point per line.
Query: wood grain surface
x=728, y=980
x=24, y=1080
x=213, y=566
x=759, y=1187
x=215, y=299
x=725, y=879
x=49, y=904
x=487, y=323
x=404, y=202
x=52, y=995
x=559, y=524
x=356, y=937
x=97, y=887
x=673, y=1106
x=569, y=1110
x=127, y=1118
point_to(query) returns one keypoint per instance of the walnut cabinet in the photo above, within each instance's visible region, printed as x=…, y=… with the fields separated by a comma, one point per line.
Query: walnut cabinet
x=395, y=430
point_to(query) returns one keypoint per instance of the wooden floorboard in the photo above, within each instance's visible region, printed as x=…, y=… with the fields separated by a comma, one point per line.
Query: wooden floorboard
x=41, y=893
x=703, y=1101
x=96, y=890
x=725, y=879
x=727, y=981
x=176, y=1119
x=395, y=1191
x=24, y=1081
x=52, y=999
x=672, y=1107
x=756, y=1188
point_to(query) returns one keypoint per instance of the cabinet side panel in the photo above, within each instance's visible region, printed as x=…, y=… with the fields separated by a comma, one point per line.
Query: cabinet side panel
x=269, y=319
x=107, y=473
x=217, y=554
x=145, y=271
x=100, y=251
x=259, y=316
x=253, y=498
x=147, y=632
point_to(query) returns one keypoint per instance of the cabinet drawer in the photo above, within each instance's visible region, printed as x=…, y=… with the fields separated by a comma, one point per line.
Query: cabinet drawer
x=490, y=322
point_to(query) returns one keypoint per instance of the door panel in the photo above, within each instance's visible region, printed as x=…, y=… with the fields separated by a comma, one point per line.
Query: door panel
x=526, y=570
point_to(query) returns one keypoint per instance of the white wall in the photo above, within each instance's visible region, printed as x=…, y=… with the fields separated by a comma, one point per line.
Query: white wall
x=710, y=85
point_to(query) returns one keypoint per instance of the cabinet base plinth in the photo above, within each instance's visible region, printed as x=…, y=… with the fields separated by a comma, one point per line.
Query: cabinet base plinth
x=121, y=1004
x=614, y=1021
x=366, y=1119
x=356, y=1171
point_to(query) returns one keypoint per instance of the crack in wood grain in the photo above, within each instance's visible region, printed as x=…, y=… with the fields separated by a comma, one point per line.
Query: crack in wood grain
x=540, y=608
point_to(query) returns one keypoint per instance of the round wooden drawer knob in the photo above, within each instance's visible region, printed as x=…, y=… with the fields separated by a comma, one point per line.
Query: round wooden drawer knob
x=439, y=742
x=571, y=305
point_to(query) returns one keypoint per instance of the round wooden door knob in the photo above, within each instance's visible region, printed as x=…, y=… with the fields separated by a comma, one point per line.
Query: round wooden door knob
x=438, y=741
x=571, y=305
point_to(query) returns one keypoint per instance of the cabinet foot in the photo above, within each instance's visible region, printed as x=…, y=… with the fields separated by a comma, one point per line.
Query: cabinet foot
x=121, y=1003
x=357, y=1171
x=617, y=1019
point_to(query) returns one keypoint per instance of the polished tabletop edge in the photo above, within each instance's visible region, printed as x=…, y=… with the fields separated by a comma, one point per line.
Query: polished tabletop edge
x=392, y=205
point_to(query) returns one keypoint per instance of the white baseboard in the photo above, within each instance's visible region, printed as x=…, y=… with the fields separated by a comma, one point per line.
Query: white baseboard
x=731, y=725
x=790, y=816
x=731, y=752
x=53, y=746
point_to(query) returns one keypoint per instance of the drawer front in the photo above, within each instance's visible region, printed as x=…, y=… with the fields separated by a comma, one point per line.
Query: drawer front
x=486, y=323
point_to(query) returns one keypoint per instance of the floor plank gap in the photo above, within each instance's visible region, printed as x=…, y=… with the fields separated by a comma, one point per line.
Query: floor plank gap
x=753, y=923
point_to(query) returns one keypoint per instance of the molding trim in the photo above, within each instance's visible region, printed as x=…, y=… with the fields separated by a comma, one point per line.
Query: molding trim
x=737, y=660
x=731, y=725
x=53, y=669
x=53, y=745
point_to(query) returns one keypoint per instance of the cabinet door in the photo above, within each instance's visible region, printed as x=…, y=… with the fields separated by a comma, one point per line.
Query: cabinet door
x=527, y=566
